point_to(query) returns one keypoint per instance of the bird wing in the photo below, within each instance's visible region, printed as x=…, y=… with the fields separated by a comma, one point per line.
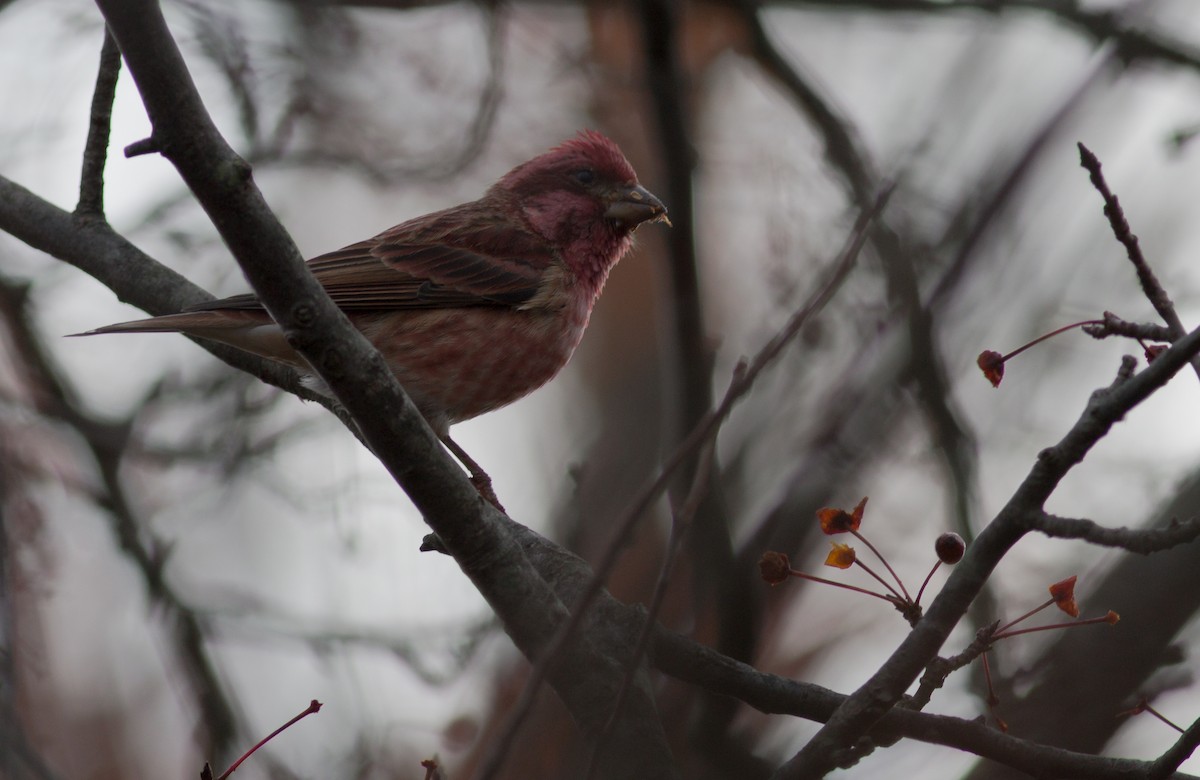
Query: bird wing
x=460, y=257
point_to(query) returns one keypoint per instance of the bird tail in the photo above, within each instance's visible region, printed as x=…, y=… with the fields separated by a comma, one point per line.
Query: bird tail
x=185, y=322
x=251, y=331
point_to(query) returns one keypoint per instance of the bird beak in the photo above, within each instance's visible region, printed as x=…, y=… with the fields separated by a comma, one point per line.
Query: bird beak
x=631, y=206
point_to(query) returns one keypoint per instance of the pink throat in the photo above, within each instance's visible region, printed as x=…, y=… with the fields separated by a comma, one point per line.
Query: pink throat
x=590, y=245
x=592, y=257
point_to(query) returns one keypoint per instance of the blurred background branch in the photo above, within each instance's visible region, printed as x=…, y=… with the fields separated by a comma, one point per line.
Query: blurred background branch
x=188, y=553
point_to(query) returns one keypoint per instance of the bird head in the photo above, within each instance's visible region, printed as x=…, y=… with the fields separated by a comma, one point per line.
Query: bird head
x=582, y=187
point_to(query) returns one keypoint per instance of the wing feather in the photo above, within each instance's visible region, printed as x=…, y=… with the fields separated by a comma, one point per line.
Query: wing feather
x=470, y=255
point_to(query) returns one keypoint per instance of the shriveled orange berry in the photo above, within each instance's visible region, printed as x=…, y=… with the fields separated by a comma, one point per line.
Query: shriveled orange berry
x=842, y=556
x=1063, y=594
x=839, y=521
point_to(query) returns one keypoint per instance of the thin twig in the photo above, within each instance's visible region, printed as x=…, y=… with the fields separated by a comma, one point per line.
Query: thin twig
x=1112, y=325
x=1152, y=288
x=95, y=152
x=378, y=168
x=701, y=666
x=1137, y=540
x=863, y=708
x=937, y=670
x=1121, y=29
x=107, y=443
x=842, y=146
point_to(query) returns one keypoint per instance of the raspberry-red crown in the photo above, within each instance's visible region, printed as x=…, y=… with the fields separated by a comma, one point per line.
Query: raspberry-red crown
x=587, y=150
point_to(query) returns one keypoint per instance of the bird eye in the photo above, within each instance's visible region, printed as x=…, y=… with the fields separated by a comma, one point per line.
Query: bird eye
x=585, y=176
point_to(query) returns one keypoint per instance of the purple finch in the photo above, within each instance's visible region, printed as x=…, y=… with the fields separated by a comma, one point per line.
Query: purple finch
x=474, y=306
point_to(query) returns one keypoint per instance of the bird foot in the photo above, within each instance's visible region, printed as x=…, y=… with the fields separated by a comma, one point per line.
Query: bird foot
x=483, y=484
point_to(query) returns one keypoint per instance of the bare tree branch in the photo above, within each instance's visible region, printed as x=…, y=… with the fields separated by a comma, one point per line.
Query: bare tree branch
x=1151, y=595
x=1101, y=26
x=682, y=658
x=883, y=690
x=95, y=248
x=107, y=443
x=1181, y=751
x=686, y=660
x=1137, y=540
x=95, y=153
x=468, y=527
x=1115, y=326
x=1152, y=288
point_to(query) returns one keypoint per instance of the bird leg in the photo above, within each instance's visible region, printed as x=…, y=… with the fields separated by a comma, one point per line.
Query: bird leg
x=479, y=477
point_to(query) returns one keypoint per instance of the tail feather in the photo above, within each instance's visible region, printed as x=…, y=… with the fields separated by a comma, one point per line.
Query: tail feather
x=186, y=322
x=252, y=331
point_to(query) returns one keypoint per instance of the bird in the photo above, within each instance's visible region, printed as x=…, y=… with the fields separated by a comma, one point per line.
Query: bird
x=474, y=306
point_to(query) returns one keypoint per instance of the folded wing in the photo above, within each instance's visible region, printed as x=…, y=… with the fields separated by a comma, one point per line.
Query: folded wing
x=461, y=257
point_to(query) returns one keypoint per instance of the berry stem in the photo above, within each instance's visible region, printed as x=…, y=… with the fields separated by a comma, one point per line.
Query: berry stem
x=882, y=581
x=313, y=707
x=1002, y=634
x=835, y=584
x=1163, y=718
x=865, y=541
x=1028, y=614
x=1050, y=335
x=928, y=577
